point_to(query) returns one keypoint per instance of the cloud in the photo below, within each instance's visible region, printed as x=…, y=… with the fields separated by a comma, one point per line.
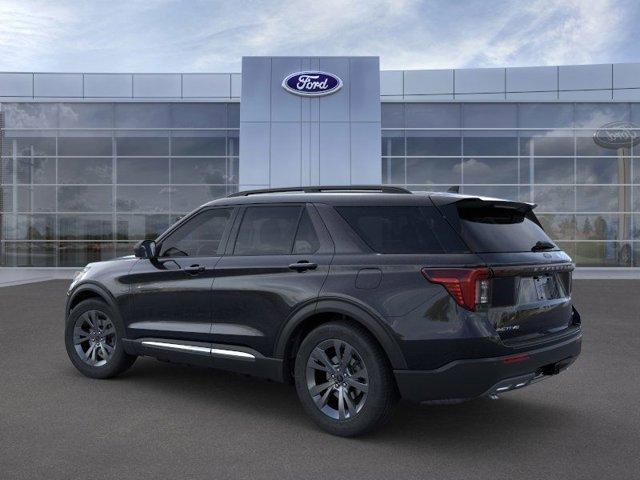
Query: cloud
x=166, y=35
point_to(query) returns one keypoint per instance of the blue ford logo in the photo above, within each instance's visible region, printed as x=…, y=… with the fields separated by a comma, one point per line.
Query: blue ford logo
x=312, y=84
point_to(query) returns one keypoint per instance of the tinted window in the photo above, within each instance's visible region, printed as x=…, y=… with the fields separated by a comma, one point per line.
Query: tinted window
x=267, y=230
x=402, y=229
x=306, y=238
x=487, y=227
x=198, y=237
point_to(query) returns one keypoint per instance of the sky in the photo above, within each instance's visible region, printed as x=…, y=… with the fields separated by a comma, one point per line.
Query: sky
x=212, y=36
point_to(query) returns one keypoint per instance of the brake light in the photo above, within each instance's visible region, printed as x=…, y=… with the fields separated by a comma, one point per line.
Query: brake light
x=469, y=287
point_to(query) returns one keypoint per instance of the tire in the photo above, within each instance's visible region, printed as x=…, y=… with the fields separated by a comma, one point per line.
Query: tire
x=362, y=376
x=93, y=338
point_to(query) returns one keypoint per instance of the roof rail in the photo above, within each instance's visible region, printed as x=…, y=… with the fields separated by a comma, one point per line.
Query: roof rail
x=324, y=188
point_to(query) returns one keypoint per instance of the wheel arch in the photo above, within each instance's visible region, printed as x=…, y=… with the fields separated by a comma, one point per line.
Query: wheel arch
x=87, y=291
x=323, y=311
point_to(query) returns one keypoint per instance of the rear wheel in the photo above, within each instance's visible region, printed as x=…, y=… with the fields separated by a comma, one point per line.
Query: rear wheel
x=343, y=379
x=93, y=338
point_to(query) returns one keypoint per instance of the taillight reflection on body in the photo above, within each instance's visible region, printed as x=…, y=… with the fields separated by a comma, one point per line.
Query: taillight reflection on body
x=469, y=287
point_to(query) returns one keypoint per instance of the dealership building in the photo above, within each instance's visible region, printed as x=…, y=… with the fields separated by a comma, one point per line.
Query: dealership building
x=93, y=162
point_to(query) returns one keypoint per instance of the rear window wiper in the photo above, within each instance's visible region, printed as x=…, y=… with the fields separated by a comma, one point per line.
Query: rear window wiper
x=540, y=245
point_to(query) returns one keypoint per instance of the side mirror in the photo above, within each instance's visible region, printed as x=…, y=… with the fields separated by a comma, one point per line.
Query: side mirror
x=145, y=249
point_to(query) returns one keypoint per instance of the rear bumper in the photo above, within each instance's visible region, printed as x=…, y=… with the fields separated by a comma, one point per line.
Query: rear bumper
x=465, y=379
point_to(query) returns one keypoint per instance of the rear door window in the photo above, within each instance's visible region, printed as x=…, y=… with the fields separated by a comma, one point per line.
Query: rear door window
x=268, y=230
x=402, y=229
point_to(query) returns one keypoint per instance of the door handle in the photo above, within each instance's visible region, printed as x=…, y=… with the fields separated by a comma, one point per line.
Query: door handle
x=303, y=265
x=194, y=269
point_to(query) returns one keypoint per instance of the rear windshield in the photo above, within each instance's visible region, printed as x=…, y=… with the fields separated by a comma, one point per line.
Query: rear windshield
x=403, y=229
x=494, y=228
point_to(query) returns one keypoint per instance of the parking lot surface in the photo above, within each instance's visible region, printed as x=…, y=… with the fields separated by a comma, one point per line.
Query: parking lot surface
x=168, y=421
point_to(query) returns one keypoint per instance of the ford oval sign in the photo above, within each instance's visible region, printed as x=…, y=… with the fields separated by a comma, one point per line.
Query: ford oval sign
x=617, y=135
x=312, y=84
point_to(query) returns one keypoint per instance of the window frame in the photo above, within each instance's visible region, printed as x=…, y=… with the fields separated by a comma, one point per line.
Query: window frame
x=182, y=222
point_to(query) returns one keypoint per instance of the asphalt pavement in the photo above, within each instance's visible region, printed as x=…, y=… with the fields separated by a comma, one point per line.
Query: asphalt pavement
x=164, y=421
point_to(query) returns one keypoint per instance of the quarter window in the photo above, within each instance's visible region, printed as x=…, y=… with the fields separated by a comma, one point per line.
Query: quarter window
x=200, y=236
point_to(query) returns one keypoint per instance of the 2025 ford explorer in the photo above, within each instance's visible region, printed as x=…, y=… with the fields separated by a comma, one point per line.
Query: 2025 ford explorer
x=358, y=295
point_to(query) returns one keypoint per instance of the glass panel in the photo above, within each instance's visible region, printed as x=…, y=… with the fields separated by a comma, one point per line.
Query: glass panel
x=90, y=146
x=8, y=226
x=85, y=170
x=185, y=199
x=598, y=114
x=430, y=143
x=93, y=115
x=6, y=170
x=267, y=230
x=559, y=227
x=602, y=199
x=432, y=115
x=603, y=170
x=140, y=227
x=507, y=193
x=142, y=115
x=78, y=254
x=40, y=254
x=200, y=236
x=199, y=115
x=307, y=241
x=85, y=227
x=199, y=170
x=553, y=170
x=36, y=170
x=602, y=227
x=142, y=170
x=635, y=234
x=603, y=254
x=30, y=115
x=35, y=227
x=490, y=170
x=147, y=146
x=636, y=170
x=393, y=171
x=233, y=172
x=434, y=170
x=546, y=144
x=6, y=199
x=392, y=143
x=488, y=115
x=392, y=115
x=545, y=115
x=554, y=199
x=569, y=248
x=585, y=145
x=233, y=112
x=474, y=143
x=143, y=199
x=525, y=170
x=233, y=142
x=36, y=199
x=206, y=144
x=37, y=146
x=85, y=199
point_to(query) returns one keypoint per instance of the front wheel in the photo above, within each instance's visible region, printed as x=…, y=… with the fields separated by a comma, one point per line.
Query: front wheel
x=93, y=338
x=343, y=379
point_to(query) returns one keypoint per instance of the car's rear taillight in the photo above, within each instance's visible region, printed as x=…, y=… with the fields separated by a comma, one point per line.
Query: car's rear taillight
x=468, y=286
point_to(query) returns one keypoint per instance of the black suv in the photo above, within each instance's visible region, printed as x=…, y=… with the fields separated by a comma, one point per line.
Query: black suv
x=358, y=295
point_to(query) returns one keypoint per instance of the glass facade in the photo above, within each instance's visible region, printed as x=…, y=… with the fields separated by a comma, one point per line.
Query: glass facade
x=81, y=182
x=588, y=196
